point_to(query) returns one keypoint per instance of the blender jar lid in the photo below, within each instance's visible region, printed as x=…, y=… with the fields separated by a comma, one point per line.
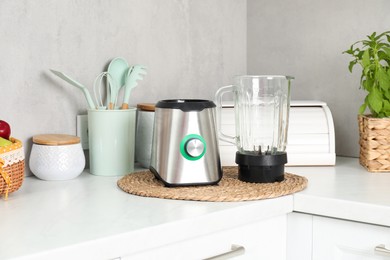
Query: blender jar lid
x=185, y=104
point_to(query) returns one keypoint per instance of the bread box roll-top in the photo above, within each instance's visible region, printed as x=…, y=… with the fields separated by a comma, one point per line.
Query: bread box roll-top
x=311, y=135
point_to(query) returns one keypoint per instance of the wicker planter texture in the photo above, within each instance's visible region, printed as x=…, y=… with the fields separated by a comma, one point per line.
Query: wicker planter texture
x=374, y=143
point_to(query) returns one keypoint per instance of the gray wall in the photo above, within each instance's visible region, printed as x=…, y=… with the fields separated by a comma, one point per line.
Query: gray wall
x=305, y=38
x=190, y=48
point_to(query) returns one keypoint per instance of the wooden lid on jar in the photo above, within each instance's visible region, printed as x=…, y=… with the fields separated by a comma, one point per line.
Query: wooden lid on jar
x=55, y=139
x=146, y=107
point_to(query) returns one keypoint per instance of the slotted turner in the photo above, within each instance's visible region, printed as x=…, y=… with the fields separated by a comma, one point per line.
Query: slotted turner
x=134, y=74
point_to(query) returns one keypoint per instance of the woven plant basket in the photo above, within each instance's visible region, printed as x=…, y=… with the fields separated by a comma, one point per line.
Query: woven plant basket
x=374, y=143
x=11, y=167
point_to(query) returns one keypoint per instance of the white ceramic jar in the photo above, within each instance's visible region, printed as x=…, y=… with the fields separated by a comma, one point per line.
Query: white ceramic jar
x=144, y=133
x=56, y=157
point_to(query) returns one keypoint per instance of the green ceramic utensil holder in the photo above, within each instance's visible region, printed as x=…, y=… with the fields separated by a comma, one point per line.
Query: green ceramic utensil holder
x=111, y=141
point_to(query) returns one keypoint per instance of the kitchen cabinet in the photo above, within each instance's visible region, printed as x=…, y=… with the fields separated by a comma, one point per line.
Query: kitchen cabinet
x=347, y=240
x=264, y=239
x=322, y=238
x=260, y=240
x=299, y=236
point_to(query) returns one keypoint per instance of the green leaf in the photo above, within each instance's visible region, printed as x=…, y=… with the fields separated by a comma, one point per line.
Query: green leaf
x=386, y=106
x=362, y=108
x=384, y=33
x=387, y=51
x=368, y=84
x=366, y=70
x=351, y=65
x=362, y=82
x=372, y=36
x=350, y=51
x=366, y=58
x=369, y=71
x=383, y=55
x=374, y=100
x=383, y=79
x=359, y=54
x=387, y=94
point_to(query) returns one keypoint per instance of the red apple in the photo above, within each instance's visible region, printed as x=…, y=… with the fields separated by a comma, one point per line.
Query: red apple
x=5, y=130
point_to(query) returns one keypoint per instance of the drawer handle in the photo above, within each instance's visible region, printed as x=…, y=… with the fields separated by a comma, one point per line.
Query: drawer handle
x=236, y=250
x=382, y=248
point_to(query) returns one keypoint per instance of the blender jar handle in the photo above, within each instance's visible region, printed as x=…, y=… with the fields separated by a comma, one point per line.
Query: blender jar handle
x=218, y=101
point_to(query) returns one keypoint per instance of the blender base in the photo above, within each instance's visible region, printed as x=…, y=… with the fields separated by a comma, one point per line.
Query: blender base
x=261, y=168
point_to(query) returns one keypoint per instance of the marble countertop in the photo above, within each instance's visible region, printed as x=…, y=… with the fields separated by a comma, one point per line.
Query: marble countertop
x=44, y=215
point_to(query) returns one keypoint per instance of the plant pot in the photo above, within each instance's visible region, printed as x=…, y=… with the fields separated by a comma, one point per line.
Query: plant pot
x=374, y=143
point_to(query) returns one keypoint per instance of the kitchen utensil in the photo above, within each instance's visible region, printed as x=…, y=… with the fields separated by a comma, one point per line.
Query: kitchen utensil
x=97, y=88
x=185, y=144
x=261, y=105
x=111, y=141
x=56, y=157
x=78, y=85
x=134, y=73
x=117, y=68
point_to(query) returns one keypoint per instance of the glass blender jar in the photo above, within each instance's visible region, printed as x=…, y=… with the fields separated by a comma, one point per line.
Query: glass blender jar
x=261, y=107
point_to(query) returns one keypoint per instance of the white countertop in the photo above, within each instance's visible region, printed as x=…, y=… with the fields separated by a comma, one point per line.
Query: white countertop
x=346, y=191
x=46, y=215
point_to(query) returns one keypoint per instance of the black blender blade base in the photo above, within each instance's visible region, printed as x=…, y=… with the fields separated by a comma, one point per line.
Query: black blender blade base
x=261, y=168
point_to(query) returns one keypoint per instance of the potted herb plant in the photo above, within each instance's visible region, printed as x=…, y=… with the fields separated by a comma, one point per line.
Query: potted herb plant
x=373, y=55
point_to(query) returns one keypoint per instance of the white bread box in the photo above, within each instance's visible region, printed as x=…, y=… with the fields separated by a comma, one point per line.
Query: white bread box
x=311, y=137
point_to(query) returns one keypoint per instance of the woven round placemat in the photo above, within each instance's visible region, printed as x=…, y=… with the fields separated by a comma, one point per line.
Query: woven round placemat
x=228, y=189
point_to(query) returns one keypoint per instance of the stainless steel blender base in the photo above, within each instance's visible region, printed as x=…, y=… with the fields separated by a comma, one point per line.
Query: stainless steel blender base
x=185, y=146
x=169, y=185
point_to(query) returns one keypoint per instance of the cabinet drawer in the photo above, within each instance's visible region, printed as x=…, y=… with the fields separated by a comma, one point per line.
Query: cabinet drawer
x=344, y=240
x=262, y=240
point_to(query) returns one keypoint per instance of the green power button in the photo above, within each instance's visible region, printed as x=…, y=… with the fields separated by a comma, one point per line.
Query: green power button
x=193, y=147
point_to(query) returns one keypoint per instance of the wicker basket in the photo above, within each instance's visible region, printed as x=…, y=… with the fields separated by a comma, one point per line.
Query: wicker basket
x=374, y=143
x=11, y=167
